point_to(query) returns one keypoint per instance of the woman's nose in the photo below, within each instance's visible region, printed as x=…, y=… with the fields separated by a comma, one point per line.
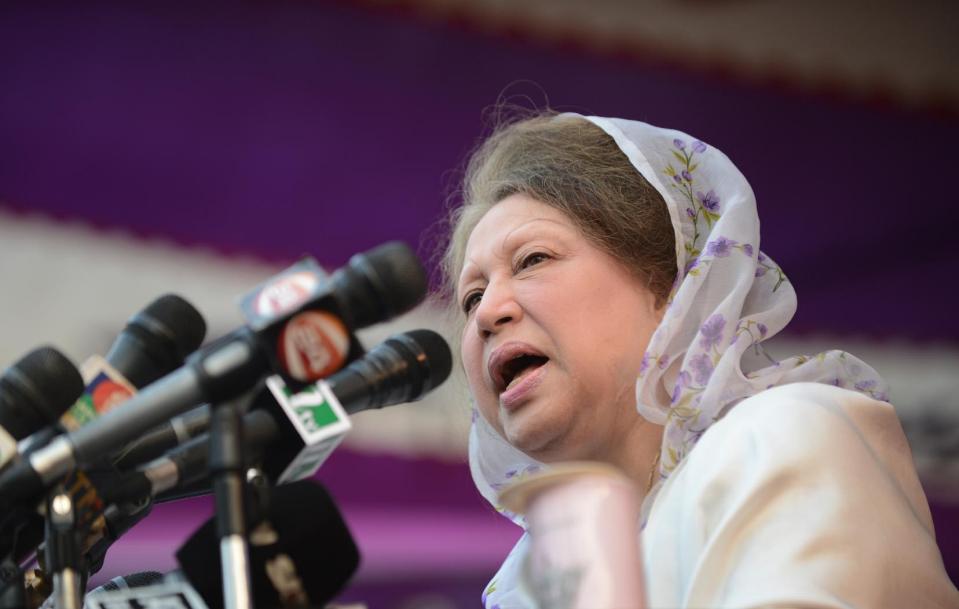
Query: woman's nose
x=496, y=310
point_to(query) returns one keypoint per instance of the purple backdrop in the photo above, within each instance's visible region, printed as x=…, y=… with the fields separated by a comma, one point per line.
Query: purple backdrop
x=284, y=128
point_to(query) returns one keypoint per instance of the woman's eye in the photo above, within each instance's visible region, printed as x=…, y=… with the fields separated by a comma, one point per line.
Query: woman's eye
x=472, y=299
x=532, y=259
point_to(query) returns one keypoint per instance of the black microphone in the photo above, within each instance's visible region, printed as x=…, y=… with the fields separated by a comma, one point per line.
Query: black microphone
x=34, y=393
x=401, y=369
x=387, y=281
x=184, y=471
x=157, y=340
x=153, y=343
x=154, y=443
x=301, y=551
x=187, y=464
x=131, y=580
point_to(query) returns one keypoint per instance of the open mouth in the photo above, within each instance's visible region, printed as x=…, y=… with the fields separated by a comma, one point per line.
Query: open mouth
x=513, y=370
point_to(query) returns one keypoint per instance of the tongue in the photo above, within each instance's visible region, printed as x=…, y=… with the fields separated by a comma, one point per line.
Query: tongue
x=533, y=365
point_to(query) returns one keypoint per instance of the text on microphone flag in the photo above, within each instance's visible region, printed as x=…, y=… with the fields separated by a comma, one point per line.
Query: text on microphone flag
x=318, y=418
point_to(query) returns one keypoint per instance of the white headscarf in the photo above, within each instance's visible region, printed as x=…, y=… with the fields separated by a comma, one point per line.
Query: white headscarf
x=706, y=353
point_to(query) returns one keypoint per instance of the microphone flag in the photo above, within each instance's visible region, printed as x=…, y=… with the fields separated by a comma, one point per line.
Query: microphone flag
x=169, y=595
x=314, y=342
x=105, y=389
x=318, y=418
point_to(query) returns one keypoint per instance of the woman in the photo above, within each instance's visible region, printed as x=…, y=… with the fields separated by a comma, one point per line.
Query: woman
x=614, y=303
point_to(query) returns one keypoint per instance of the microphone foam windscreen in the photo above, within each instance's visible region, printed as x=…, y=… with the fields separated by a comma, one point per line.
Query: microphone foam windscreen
x=432, y=351
x=36, y=390
x=157, y=340
x=310, y=535
x=177, y=320
x=380, y=284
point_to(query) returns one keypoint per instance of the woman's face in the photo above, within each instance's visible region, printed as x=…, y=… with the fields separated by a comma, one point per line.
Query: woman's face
x=555, y=332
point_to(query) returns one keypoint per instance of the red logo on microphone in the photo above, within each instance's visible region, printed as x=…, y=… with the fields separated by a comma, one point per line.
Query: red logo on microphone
x=313, y=345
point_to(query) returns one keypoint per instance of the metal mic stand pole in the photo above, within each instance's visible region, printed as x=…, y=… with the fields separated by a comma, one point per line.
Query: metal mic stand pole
x=227, y=470
x=63, y=553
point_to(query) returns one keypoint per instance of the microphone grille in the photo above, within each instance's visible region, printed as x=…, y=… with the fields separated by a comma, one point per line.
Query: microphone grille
x=380, y=284
x=46, y=381
x=432, y=353
x=172, y=320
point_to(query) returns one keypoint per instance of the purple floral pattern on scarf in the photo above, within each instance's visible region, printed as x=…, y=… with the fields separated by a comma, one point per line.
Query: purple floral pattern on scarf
x=702, y=367
x=693, y=400
x=712, y=332
x=764, y=265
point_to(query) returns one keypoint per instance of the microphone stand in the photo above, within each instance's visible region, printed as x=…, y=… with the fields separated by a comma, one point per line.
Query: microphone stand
x=227, y=471
x=63, y=551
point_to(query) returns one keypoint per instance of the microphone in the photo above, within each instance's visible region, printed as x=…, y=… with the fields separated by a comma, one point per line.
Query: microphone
x=132, y=495
x=34, y=392
x=314, y=421
x=131, y=580
x=157, y=340
x=403, y=368
x=154, y=342
x=301, y=551
x=387, y=281
x=160, y=439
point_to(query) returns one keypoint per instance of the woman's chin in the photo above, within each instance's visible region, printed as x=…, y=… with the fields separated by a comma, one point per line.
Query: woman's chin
x=535, y=437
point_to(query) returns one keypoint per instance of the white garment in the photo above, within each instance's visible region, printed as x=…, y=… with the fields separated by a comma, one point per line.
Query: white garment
x=804, y=495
